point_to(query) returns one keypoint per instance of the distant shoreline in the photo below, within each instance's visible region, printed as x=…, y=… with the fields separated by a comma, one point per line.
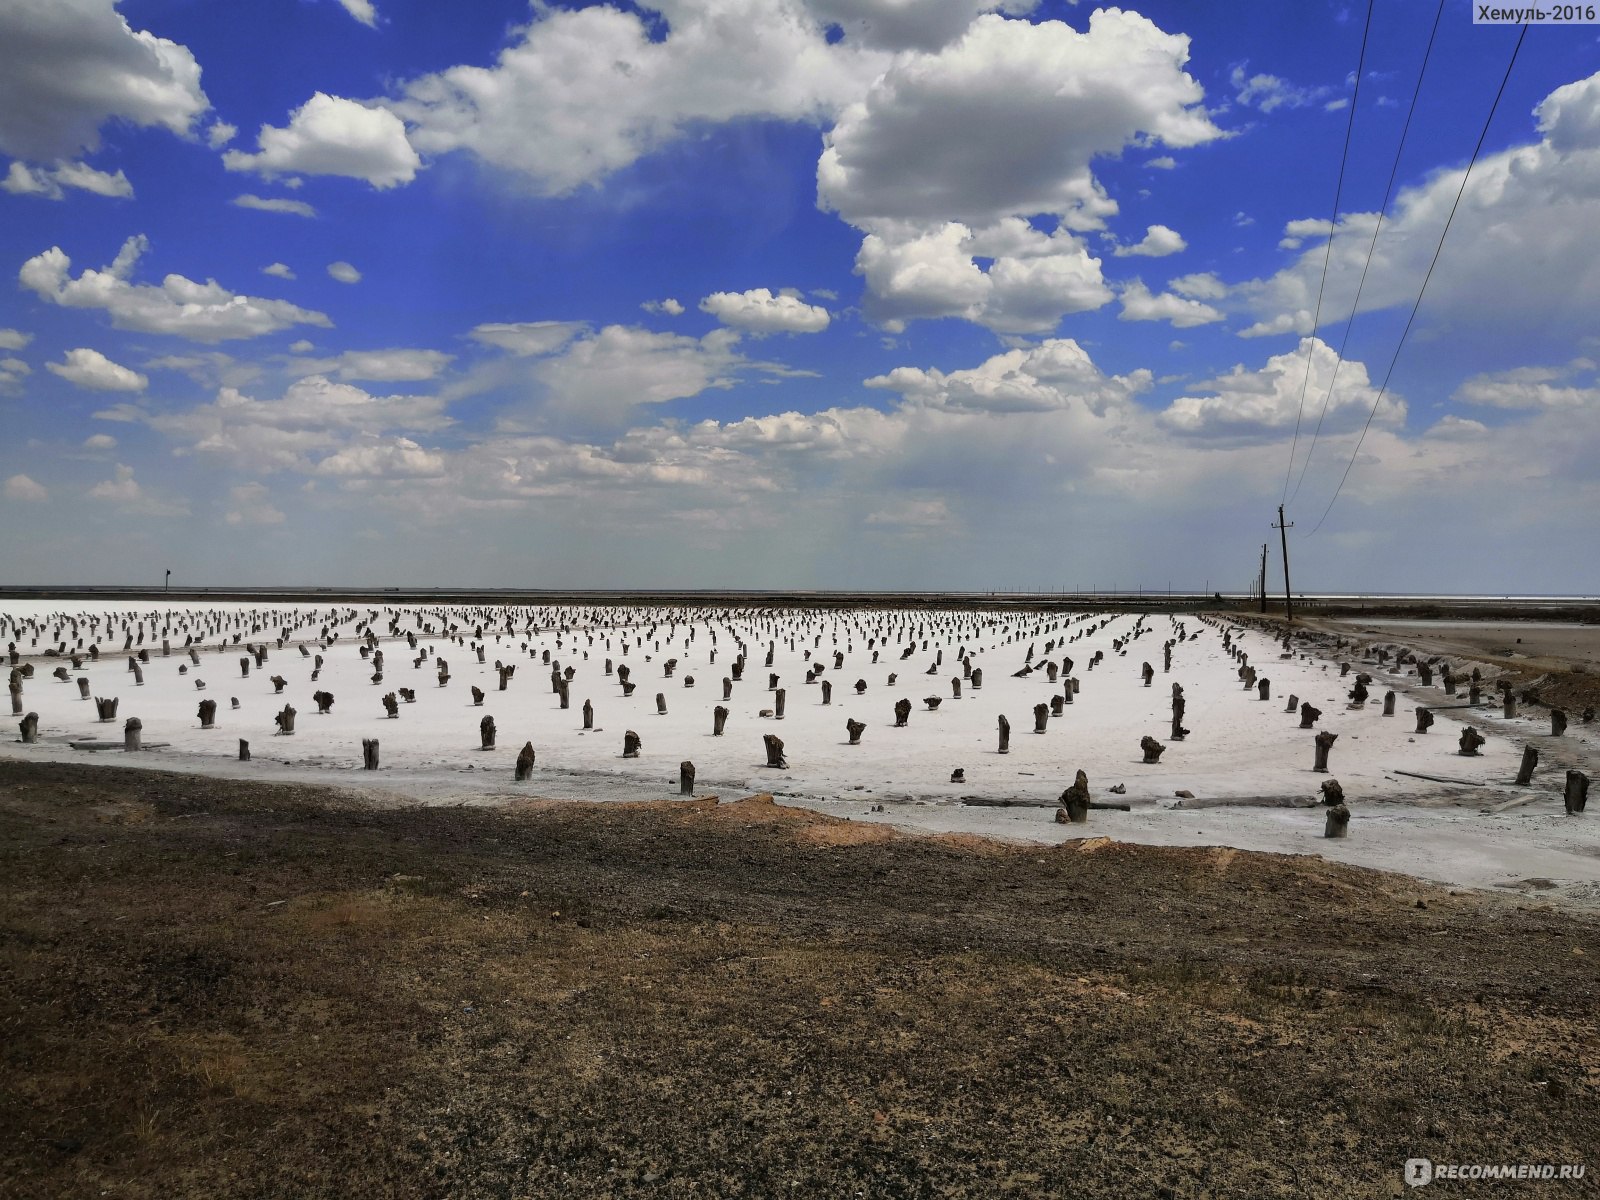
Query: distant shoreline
x=1474, y=607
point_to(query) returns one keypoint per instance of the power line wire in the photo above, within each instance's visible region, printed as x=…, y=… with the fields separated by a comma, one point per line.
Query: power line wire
x=1421, y=291
x=1388, y=191
x=1338, y=191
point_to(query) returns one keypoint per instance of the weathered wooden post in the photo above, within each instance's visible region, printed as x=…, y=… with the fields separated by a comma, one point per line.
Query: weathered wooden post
x=1293, y=703
x=779, y=698
x=1264, y=688
x=719, y=719
x=133, y=734
x=244, y=750
x=1530, y=762
x=827, y=691
x=1510, y=704
x=588, y=714
x=1388, y=704
x=477, y=695
x=855, y=729
x=1041, y=717
x=661, y=704
x=1470, y=740
x=525, y=760
x=1057, y=703
x=1152, y=749
x=631, y=744
x=486, y=732
x=369, y=754
x=1309, y=716
x=1148, y=672
x=1576, y=794
x=774, y=746
x=1424, y=720
x=506, y=672
x=564, y=692
x=244, y=667
x=1332, y=793
x=902, y=713
x=1337, y=823
x=30, y=728
x=1558, y=722
x=208, y=714
x=977, y=678
x=1325, y=741
x=391, y=705
x=83, y=687
x=1074, y=802
x=955, y=687
x=285, y=720
x=686, y=778
x=278, y=684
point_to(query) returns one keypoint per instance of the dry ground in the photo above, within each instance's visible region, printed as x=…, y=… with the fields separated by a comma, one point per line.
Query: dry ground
x=215, y=989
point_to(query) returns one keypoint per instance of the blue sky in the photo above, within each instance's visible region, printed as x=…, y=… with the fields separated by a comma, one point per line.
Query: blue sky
x=793, y=293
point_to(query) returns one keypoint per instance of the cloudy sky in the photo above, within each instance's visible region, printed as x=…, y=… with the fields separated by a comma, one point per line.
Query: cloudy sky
x=795, y=293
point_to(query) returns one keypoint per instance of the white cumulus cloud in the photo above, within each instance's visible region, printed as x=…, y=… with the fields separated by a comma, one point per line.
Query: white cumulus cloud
x=20, y=487
x=90, y=369
x=329, y=135
x=759, y=311
x=69, y=66
x=344, y=272
x=1140, y=304
x=1158, y=242
x=50, y=183
x=201, y=312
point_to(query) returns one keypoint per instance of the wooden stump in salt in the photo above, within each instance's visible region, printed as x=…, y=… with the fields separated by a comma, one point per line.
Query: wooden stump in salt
x=1074, y=802
x=1152, y=749
x=1148, y=672
x=631, y=744
x=1388, y=704
x=778, y=699
x=902, y=713
x=1264, y=688
x=1558, y=722
x=369, y=754
x=1576, y=794
x=30, y=728
x=208, y=714
x=855, y=729
x=861, y=686
x=244, y=667
x=959, y=775
x=719, y=720
x=477, y=695
x=1057, y=703
x=323, y=701
x=486, y=732
x=727, y=688
x=1470, y=740
x=686, y=778
x=1332, y=793
x=285, y=720
x=506, y=672
x=1424, y=720
x=1530, y=763
x=1510, y=705
x=827, y=691
x=244, y=750
x=977, y=678
x=1337, y=823
x=774, y=745
x=1041, y=717
x=83, y=687
x=1324, y=744
x=661, y=704
x=278, y=684
x=564, y=692
x=588, y=714
x=133, y=734
x=1309, y=716
x=525, y=759
x=391, y=705
x=1293, y=703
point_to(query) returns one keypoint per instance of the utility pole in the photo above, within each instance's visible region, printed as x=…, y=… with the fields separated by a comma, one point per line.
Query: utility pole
x=1283, y=537
x=1262, y=589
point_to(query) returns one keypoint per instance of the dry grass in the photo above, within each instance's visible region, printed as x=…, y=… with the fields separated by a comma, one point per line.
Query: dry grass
x=258, y=991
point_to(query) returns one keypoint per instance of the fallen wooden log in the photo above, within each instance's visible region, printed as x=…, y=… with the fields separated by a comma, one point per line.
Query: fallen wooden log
x=1438, y=778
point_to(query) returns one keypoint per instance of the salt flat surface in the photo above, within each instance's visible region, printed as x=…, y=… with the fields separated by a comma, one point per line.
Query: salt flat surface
x=1239, y=749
